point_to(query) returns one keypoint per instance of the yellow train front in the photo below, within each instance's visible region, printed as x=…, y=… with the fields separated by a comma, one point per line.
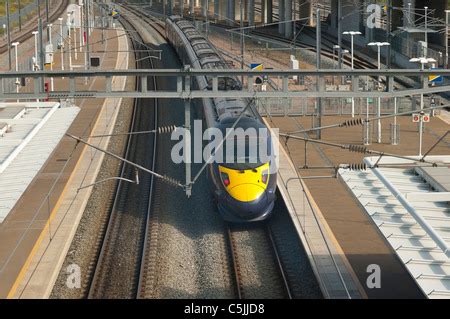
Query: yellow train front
x=244, y=189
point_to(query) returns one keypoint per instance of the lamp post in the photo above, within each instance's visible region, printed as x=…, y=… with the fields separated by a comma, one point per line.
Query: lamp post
x=75, y=48
x=36, y=64
x=81, y=8
x=352, y=34
x=15, y=44
x=35, y=33
x=446, y=38
x=69, y=26
x=335, y=48
x=422, y=61
x=52, y=82
x=8, y=23
x=61, y=42
x=49, y=26
x=426, y=31
x=379, y=45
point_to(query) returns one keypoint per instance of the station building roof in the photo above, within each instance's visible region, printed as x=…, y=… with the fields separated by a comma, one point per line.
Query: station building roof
x=406, y=202
x=29, y=132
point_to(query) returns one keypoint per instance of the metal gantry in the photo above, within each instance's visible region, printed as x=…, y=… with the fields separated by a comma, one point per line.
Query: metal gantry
x=185, y=91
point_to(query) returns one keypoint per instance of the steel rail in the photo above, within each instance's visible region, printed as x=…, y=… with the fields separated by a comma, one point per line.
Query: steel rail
x=235, y=265
x=279, y=262
x=25, y=35
x=94, y=283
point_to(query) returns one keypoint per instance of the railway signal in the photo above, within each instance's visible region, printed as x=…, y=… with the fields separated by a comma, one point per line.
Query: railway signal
x=421, y=118
x=424, y=117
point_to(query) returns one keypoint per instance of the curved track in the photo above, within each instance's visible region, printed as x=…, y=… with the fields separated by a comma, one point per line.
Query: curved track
x=122, y=257
x=255, y=261
x=26, y=33
x=257, y=265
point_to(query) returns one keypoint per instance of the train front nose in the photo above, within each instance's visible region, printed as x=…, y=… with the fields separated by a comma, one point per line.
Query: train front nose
x=246, y=202
x=247, y=193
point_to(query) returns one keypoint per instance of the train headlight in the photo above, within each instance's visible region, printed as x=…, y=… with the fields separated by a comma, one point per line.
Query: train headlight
x=265, y=176
x=225, y=179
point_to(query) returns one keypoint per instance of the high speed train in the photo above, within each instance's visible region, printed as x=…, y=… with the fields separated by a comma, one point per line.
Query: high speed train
x=244, y=188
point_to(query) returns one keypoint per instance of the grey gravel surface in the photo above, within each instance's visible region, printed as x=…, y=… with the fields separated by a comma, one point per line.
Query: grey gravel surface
x=118, y=266
x=192, y=260
x=257, y=268
x=300, y=276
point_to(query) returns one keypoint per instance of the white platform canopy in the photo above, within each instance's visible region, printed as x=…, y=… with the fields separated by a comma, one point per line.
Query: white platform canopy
x=412, y=214
x=29, y=132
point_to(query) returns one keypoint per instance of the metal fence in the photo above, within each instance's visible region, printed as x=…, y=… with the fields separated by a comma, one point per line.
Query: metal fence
x=275, y=107
x=409, y=48
x=413, y=49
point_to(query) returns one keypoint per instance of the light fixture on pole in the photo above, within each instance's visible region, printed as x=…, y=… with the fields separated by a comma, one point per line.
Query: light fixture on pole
x=75, y=44
x=446, y=37
x=49, y=26
x=5, y=32
x=52, y=82
x=35, y=62
x=81, y=8
x=335, y=48
x=426, y=30
x=61, y=43
x=8, y=23
x=352, y=34
x=69, y=26
x=35, y=33
x=422, y=61
x=379, y=45
x=15, y=44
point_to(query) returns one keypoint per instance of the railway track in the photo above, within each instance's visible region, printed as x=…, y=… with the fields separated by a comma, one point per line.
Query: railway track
x=26, y=32
x=252, y=244
x=270, y=281
x=358, y=63
x=148, y=267
x=122, y=261
x=254, y=260
x=157, y=24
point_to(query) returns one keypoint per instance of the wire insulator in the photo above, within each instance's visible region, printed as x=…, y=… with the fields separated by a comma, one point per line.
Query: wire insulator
x=357, y=167
x=171, y=181
x=353, y=122
x=357, y=149
x=166, y=129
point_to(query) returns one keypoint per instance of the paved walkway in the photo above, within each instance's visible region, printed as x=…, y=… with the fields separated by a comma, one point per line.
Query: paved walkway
x=360, y=240
x=24, y=234
x=335, y=276
x=46, y=264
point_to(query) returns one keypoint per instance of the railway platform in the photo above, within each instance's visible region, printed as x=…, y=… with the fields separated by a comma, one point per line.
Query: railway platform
x=359, y=238
x=334, y=274
x=35, y=236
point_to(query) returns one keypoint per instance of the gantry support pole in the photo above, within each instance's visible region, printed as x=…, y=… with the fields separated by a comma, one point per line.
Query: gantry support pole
x=281, y=14
x=288, y=17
